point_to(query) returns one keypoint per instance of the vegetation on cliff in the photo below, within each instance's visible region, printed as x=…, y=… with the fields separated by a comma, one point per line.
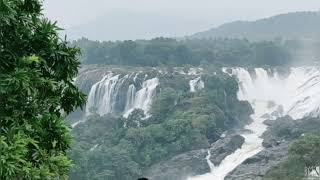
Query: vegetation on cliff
x=303, y=159
x=122, y=148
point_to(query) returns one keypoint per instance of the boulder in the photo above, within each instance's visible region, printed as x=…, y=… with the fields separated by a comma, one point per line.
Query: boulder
x=180, y=167
x=224, y=147
x=194, y=163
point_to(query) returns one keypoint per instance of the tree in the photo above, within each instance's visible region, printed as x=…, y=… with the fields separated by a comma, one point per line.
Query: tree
x=303, y=158
x=307, y=151
x=164, y=103
x=36, y=92
x=135, y=119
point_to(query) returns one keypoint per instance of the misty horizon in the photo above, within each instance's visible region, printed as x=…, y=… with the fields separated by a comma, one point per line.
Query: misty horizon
x=147, y=20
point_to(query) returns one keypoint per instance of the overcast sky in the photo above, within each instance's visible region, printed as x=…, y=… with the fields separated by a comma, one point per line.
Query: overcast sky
x=173, y=17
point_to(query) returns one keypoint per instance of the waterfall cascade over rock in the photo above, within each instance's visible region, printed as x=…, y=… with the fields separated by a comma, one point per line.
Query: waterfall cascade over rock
x=196, y=84
x=272, y=95
x=119, y=92
x=104, y=96
x=104, y=93
x=141, y=99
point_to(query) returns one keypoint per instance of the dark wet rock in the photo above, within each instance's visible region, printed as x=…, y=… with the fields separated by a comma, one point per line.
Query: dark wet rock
x=266, y=116
x=278, y=131
x=287, y=129
x=268, y=122
x=224, y=147
x=180, y=167
x=244, y=131
x=194, y=163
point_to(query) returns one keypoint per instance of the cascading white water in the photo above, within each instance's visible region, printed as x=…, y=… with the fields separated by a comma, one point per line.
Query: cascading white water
x=94, y=147
x=103, y=94
x=211, y=165
x=130, y=97
x=297, y=95
x=196, y=84
x=142, y=98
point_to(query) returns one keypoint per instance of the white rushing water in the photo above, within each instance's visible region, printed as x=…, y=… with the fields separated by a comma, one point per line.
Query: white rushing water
x=105, y=94
x=94, y=147
x=196, y=84
x=131, y=96
x=271, y=95
x=211, y=165
x=143, y=98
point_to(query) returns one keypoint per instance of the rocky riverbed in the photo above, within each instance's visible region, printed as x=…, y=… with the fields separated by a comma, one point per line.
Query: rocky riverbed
x=280, y=135
x=277, y=140
x=194, y=162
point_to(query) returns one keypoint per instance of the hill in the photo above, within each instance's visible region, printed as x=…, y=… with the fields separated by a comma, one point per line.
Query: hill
x=297, y=25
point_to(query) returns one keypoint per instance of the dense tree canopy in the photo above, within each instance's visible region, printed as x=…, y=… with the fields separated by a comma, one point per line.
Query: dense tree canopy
x=170, y=52
x=36, y=92
x=307, y=151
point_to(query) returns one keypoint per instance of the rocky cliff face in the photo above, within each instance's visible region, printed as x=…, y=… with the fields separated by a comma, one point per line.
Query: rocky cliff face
x=120, y=90
x=224, y=147
x=194, y=162
x=180, y=167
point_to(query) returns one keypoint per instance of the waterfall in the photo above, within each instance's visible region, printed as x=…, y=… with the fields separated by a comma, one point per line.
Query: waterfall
x=94, y=147
x=297, y=95
x=143, y=98
x=103, y=94
x=196, y=84
x=130, y=97
x=211, y=165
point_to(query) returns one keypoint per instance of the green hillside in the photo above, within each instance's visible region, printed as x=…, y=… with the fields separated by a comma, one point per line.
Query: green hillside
x=297, y=25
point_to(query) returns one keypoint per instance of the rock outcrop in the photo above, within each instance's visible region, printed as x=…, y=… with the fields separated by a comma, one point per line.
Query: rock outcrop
x=224, y=147
x=180, y=167
x=193, y=163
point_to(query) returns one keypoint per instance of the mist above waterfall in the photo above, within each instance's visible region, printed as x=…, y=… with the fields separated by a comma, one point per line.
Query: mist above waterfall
x=297, y=93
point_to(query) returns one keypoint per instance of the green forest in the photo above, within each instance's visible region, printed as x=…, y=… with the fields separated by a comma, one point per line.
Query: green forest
x=171, y=52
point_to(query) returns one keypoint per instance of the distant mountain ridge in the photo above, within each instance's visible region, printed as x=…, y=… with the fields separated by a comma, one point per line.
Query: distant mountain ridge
x=297, y=25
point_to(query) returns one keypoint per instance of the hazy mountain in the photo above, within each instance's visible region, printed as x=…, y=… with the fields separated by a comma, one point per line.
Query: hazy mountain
x=298, y=25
